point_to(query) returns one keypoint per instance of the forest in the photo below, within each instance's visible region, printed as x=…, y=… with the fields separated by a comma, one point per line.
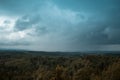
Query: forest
x=26, y=65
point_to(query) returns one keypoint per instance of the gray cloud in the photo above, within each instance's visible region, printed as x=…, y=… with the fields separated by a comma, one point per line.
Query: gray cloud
x=49, y=24
x=26, y=22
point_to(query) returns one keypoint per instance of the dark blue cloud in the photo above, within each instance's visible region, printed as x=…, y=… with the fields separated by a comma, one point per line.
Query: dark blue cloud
x=71, y=23
x=27, y=21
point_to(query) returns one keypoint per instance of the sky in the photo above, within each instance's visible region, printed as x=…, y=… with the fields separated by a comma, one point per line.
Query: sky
x=60, y=25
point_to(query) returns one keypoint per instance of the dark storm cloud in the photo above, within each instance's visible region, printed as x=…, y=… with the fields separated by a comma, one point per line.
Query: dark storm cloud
x=104, y=24
x=71, y=23
x=107, y=28
x=26, y=22
x=31, y=22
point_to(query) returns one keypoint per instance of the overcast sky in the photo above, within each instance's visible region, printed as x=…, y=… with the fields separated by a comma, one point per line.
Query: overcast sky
x=60, y=25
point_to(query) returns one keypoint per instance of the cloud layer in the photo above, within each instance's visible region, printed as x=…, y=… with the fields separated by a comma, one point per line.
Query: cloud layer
x=47, y=25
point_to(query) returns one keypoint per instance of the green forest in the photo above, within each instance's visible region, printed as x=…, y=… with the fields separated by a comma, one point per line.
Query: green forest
x=27, y=66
